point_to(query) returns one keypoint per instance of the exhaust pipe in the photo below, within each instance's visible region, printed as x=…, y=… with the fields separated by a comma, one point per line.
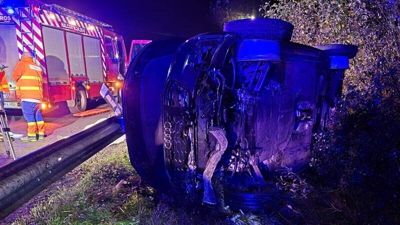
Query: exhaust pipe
x=222, y=144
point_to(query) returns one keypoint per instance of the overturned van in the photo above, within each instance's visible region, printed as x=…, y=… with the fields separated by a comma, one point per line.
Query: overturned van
x=219, y=112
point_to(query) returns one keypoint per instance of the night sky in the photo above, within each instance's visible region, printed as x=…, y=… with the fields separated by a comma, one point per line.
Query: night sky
x=146, y=19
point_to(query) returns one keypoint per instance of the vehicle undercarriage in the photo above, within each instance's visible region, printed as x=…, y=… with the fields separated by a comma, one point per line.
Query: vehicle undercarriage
x=211, y=118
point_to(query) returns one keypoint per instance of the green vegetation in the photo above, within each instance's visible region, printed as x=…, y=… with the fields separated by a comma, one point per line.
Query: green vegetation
x=103, y=190
x=371, y=25
x=106, y=190
x=355, y=177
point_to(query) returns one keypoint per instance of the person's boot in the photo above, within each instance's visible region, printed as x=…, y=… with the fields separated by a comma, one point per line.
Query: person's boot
x=41, y=136
x=28, y=139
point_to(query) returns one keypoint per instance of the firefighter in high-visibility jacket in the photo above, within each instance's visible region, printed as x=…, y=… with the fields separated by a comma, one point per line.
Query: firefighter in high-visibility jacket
x=3, y=85
x=30, y=91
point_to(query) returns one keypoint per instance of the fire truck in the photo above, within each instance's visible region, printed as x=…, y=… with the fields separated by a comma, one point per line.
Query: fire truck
x=78, y=54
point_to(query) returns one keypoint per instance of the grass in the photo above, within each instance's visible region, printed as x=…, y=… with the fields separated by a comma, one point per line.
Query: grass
x=107, y=190
x=93, y=193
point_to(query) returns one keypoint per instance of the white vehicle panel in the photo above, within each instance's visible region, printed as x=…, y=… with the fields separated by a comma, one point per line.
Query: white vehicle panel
x=8, y=50
x=56, y=56
x=93, y=59
x=75, y=54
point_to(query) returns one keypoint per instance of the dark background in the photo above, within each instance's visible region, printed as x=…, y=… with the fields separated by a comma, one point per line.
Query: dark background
x=146, y=19
x=151, y=19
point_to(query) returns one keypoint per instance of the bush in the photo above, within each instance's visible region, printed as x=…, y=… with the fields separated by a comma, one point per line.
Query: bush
x=372, y=25
x=357, y=157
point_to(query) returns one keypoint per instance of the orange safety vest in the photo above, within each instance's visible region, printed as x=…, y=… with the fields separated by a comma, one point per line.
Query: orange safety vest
x=29, y=79
x=4, y=82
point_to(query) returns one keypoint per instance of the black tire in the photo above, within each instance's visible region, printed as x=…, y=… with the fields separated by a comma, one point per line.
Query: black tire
x=339, y=50
x=250, y=201
x=80, y=101
x=270, y=29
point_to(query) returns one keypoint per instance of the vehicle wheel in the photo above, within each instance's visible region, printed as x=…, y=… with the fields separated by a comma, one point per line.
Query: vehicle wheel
x=250, y=201
x=270, y=29
x=80, y=101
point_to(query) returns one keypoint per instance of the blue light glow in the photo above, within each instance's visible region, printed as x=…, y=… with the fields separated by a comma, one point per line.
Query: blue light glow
x=10, y=11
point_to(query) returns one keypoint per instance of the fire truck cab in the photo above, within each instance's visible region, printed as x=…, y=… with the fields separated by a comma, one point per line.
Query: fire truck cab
x=78, y=54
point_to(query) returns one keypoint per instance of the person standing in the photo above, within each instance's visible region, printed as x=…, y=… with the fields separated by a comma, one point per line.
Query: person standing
x=3, y=85
x=4, y=89
x=28, y=76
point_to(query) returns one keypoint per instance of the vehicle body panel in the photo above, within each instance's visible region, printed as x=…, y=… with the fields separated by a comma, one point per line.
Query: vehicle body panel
x=70, y=47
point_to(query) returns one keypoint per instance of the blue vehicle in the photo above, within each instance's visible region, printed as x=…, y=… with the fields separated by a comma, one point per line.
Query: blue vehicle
x=210, y=118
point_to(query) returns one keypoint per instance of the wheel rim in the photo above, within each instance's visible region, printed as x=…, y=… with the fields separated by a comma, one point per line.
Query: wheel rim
x=80, y=100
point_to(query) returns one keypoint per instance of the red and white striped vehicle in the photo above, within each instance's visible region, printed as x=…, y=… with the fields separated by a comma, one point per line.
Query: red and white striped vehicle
x=78, y=54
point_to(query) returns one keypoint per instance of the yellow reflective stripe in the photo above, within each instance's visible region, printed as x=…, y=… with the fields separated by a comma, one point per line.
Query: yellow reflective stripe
x=41, y=133
x=31, y=78
x=40, y=122
x=4, y=86
x=30, y=88
x=31, y=123
x=32, y=135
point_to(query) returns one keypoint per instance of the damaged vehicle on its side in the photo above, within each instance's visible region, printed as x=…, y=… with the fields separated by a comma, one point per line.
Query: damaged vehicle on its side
x=210, y=118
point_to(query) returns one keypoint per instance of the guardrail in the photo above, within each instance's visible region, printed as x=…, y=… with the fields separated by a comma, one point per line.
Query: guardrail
x=27, y=176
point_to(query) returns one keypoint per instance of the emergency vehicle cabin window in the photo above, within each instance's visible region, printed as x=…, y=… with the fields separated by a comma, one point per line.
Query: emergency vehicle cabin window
x=121, y=57
x=110, y=49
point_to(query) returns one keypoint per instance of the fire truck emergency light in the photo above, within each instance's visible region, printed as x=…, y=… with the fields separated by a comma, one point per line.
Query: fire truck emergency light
x=52, y=16
x=10, y=11
x=72, y=22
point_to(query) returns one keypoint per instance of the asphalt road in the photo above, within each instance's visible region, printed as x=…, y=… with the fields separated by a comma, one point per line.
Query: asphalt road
x=59, y=123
